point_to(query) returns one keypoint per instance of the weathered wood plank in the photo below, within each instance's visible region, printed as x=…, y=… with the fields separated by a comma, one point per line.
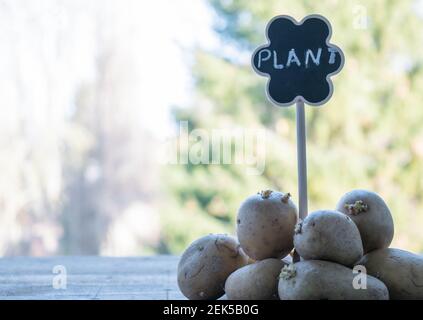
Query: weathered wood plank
x=90, y=278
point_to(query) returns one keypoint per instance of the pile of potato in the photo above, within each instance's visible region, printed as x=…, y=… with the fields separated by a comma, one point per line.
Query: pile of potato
x=340, y=254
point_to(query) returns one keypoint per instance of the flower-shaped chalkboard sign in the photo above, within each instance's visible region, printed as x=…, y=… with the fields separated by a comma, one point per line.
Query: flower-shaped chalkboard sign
x=299, y=60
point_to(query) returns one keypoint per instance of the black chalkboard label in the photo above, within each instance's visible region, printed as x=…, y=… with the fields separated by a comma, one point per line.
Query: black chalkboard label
x=299, y=60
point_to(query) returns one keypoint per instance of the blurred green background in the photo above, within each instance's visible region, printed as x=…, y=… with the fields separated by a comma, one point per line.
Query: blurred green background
x=85, y=136
x=369, y=135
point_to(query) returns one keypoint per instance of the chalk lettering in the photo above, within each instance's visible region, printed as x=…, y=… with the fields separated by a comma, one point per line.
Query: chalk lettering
x=332, y=56
x=292, y=57
x=275, y=61
x=316, y=59
x=261, y=58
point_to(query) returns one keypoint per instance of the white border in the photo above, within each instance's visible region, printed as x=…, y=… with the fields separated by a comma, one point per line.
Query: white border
x=300, y=98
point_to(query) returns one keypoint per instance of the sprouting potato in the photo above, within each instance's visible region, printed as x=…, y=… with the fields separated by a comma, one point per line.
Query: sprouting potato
x=257, y=281
x=206, y=264
x=265, y=225
x=328, y=242
x=372, y=217
x=401, y=271
x=324, y=280
x=328, y=235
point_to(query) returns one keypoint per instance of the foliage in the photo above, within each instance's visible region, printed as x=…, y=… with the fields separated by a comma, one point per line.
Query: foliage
x=369, y=135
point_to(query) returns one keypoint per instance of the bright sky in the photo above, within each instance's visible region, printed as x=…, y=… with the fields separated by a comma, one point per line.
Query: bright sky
x=50, y=49
x=186, y=24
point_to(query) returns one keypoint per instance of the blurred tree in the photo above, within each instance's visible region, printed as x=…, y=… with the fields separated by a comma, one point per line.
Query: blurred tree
x=78, y=168
x=109, y=162
x=369, y=135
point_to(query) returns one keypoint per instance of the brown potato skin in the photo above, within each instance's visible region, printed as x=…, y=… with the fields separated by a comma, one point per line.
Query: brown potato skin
x=376, y=225
x=257, y=281
x=265, y=226
x=206, y=264
x=324, y=280
x=328, y=235
x=401, y=271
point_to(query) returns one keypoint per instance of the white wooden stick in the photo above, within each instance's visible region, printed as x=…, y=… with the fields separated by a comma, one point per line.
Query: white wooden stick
x=301, y=160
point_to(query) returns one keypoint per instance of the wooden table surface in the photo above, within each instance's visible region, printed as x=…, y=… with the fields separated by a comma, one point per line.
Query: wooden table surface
x=89, y=278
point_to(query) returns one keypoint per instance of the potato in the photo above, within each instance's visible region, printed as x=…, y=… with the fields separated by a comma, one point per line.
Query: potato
x=206, y=264
x=257, y=281
x=328, y=235
x=265, y=225
x=372, y=217
x=401, y=271
x=324, y=280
